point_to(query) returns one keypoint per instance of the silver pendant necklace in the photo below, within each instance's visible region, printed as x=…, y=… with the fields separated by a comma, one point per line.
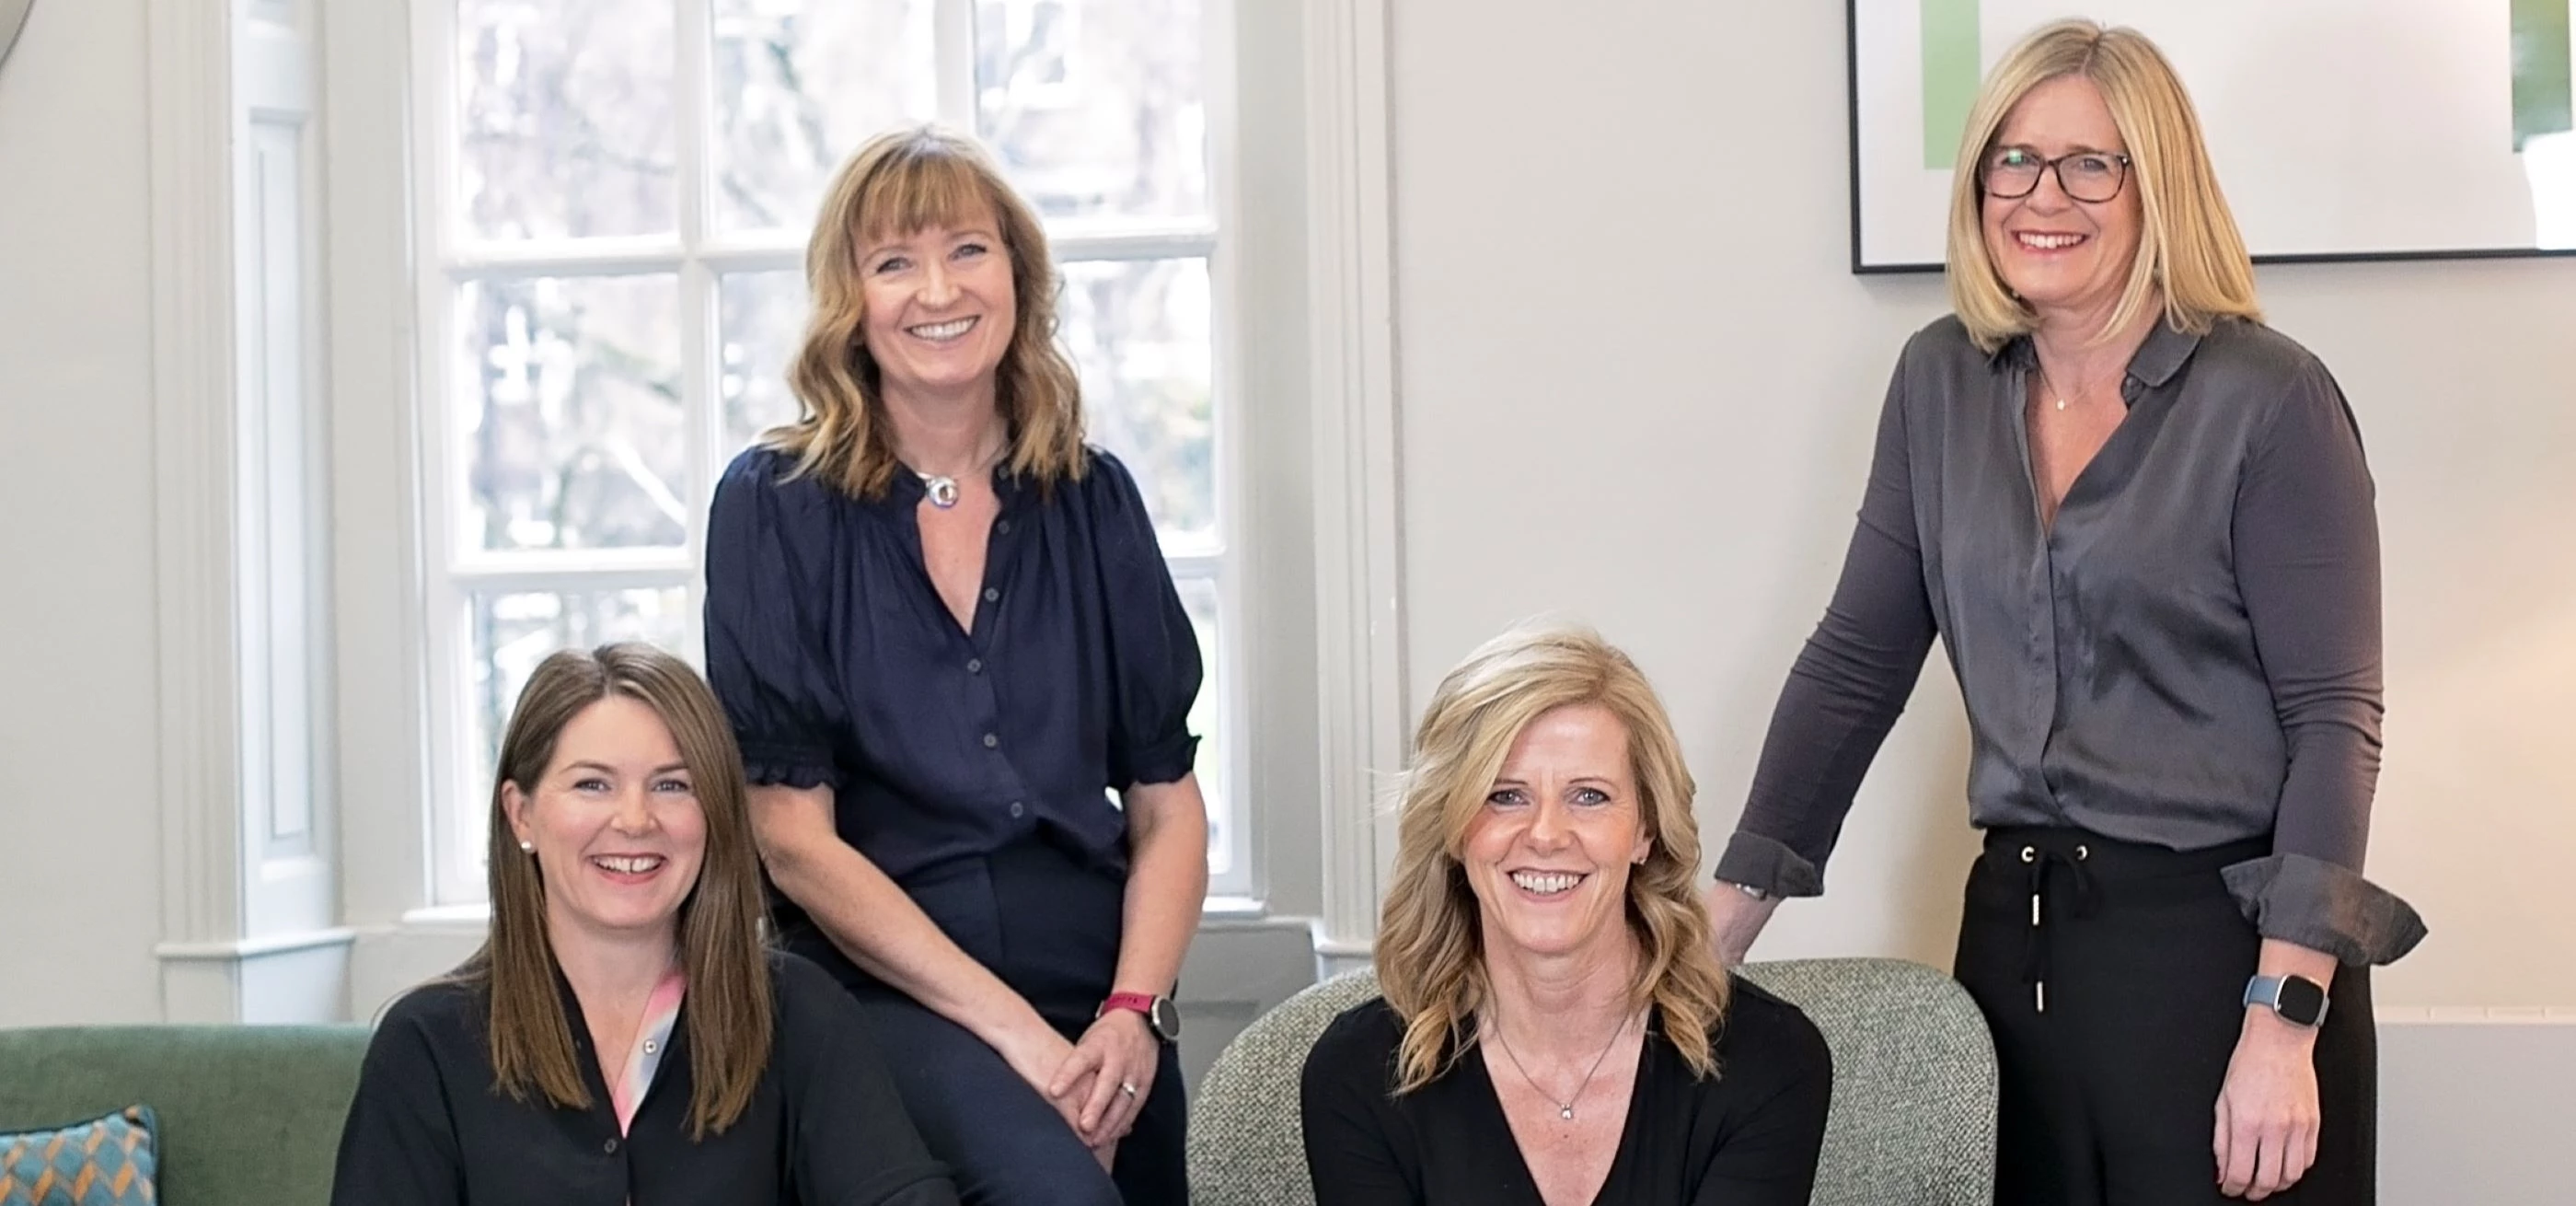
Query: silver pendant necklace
x=1565, y=1108
x=942, y=488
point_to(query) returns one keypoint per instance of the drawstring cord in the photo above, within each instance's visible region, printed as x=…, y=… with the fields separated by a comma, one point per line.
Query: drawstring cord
x=2035, y=950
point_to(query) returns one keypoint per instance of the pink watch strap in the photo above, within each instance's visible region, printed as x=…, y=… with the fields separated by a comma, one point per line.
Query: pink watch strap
x=1140, y=1002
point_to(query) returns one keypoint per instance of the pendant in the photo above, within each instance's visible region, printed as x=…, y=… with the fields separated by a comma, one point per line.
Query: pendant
x=1565, y=1112
x=943, y=490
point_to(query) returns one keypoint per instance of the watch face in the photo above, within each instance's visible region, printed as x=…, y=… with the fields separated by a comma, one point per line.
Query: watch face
x=1166, y=1018
x=2302, y=1001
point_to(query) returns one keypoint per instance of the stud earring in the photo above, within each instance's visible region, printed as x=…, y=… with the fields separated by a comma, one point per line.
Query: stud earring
x=526, y=845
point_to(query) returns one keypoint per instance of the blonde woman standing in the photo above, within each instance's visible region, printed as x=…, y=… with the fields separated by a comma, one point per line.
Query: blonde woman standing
x=2141, y=524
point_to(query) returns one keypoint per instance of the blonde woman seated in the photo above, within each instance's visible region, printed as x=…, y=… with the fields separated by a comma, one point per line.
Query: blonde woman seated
x=622, y=1039
x=1555, y=1027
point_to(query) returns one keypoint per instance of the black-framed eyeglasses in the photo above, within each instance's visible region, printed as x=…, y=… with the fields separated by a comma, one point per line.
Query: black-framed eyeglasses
x=2010, y=173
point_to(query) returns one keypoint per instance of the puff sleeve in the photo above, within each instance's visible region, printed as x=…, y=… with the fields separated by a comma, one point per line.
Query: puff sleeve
x=1153, y=649
x=769, y=653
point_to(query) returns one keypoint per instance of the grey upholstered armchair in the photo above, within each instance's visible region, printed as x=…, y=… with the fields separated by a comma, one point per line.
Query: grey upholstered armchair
x=1913, y=1121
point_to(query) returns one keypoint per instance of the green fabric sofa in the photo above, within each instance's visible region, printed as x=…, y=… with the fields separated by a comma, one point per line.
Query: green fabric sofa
x=250, y=1115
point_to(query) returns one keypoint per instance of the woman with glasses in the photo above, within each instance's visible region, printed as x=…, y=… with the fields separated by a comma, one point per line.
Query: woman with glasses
x=2141, y=524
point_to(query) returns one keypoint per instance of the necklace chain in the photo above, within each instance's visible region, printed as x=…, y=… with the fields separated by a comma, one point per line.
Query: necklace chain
x=1565, y=1108
x=942, y=487
x=2046, y=384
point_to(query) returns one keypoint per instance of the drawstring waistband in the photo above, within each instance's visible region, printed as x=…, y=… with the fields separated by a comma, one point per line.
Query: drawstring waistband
x=2040, y=859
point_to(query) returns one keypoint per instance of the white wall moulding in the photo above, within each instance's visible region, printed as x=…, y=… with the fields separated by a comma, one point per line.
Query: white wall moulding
x=235, y=219
x=1359, y=620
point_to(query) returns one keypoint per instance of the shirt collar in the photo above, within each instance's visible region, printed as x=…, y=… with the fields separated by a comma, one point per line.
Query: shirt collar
x=2164, y=353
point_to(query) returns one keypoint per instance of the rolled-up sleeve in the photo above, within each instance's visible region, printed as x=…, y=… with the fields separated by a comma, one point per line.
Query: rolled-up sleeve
x=1153, y=647
x=2307, y=564
x=1846, y=690
x=768, y=657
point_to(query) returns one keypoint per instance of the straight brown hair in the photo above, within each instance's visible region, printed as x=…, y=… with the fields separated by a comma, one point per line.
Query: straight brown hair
x=730, y=1014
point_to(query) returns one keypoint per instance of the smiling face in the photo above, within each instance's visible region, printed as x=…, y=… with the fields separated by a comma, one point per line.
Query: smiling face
x=2065, y=258
x=939, y=306
x=618, y=832
x=1548, y=854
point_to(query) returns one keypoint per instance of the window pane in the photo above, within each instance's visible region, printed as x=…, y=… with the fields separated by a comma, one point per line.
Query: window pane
x=1199, y=596
x=563, y=118
x=1096, y=106
x=1141, y=335
x=799, y=84
x=510, y=634
x=569, y=399
x=762, y=315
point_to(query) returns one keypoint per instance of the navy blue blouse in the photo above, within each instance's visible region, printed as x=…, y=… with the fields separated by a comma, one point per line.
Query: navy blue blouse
x=838, y=663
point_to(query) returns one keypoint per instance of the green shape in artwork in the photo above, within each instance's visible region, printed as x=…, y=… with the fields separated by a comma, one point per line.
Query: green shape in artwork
x=1950, y=75
x=2543, y=100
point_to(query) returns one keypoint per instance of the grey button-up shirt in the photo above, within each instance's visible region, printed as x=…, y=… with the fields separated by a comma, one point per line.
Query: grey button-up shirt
x=2189, y=657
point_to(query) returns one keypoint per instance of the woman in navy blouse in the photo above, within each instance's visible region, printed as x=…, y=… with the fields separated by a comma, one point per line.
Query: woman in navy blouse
x=944, y=634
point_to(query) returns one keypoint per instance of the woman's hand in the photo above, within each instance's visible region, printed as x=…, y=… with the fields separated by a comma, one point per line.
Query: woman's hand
x=1119, y=1054
x=2267, y=1110
x=1040, y=1055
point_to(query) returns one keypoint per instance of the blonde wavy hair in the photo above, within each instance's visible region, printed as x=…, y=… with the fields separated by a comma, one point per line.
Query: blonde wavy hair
x=1430, y=957
x=2188, y=247
x=899, y=183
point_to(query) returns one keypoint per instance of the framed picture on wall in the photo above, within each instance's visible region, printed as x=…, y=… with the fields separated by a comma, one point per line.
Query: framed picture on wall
x=2342, y=129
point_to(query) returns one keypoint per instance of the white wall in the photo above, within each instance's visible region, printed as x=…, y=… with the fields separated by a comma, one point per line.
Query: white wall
x=80, y=849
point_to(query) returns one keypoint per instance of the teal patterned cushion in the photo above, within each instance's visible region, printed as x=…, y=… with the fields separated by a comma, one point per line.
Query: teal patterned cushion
x=102, y=1162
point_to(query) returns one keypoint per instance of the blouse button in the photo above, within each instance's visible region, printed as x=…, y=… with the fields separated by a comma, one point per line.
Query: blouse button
x=974, y=665
x=1017, y=809
x=991, y=740
x=650, y=1046
x=1002, y=526
x=609, y=1147
x=991, y=595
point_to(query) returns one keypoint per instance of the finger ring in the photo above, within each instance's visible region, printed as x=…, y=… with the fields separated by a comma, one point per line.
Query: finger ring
x=1127, y=1088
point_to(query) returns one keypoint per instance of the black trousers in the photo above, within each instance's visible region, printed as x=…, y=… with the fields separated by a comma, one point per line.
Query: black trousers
x=1049, y=927
x=2115, y=1006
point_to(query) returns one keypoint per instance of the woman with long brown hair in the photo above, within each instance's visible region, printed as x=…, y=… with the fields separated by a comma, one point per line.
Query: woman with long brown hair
x=945, y=635
x=622, y=1037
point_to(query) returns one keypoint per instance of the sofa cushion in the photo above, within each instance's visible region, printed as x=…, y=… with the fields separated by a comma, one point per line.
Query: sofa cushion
x=102, y=1162
x=249, y=1115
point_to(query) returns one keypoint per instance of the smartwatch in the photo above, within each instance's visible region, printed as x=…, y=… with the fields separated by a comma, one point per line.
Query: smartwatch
x=1161, y=1016
x=2299, y=1000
